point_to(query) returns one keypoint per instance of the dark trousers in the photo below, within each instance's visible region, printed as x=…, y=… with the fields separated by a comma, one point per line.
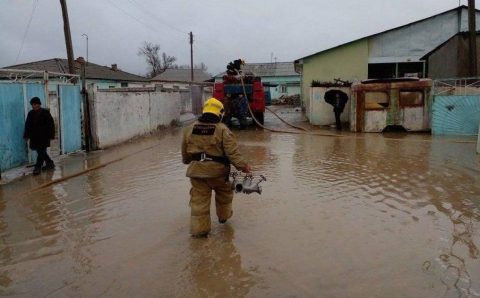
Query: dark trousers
x=337, y=118
x=42, y=157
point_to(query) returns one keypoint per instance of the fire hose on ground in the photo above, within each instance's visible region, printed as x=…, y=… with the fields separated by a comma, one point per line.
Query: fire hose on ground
x=300, y=130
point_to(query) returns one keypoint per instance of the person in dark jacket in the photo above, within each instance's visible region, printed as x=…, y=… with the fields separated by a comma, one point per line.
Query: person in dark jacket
x=234, y=67
x=241, y=107
x=337, y=99
x=40, y=129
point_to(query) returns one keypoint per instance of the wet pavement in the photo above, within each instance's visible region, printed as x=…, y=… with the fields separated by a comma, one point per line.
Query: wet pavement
x=366, y=215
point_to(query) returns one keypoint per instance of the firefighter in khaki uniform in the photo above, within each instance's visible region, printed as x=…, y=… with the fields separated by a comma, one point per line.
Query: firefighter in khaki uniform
x=208, y=146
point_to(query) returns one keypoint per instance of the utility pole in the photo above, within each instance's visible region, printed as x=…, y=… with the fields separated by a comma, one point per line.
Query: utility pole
x=191, y=56
x=86, y=106
x=472, y=37
x=68, y=37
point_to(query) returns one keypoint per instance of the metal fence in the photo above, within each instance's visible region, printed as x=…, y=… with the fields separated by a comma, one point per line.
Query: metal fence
x=456, y=107
x=458, y=86
x=17, y=87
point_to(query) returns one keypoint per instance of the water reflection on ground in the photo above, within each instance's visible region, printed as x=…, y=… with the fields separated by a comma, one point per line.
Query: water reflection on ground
x=370, y=215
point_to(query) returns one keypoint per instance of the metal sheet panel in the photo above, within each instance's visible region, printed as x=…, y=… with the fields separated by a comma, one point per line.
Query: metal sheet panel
x=456, y=115
x=70, y=118
x=13, y=149
x=413, y=119
x=375, y=121
x=35, y=90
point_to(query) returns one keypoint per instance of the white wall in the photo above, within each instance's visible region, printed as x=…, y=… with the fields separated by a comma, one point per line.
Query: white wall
x=321, y=113
x=119, y=115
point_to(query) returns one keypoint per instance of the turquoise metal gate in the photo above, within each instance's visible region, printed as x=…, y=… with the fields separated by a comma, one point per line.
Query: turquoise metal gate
x=70, y=118
x=456, y=115
x=16, y=91
x=14, y=105
x=456, y=107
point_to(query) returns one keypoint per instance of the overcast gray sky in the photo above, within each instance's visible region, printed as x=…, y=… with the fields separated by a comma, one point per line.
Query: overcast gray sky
x=223, y=29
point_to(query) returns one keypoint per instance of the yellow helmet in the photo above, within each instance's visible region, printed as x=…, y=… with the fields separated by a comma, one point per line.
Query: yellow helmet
x=213, y=106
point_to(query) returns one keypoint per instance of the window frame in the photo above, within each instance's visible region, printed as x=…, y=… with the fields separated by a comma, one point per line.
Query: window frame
x=376, y=109
x=410, y=105
x=395, y=69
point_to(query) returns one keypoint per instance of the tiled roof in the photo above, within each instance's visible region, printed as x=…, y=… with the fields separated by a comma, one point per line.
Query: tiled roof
x=182, y=75
x=92, y=71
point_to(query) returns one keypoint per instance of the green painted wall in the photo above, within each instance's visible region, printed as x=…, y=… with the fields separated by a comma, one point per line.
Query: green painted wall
x=348, y=62
x=292, y=83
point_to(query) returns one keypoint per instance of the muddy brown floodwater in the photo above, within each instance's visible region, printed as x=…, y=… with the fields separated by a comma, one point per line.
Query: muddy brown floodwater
x=366, y=215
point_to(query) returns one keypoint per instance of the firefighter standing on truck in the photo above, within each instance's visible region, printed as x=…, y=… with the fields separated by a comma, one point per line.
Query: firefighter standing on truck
x=208, y=147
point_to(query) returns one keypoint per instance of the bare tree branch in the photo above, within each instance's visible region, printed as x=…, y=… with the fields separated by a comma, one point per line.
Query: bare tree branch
x=156, y=64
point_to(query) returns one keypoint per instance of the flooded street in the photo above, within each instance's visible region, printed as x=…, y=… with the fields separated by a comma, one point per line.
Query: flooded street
x=356, y=215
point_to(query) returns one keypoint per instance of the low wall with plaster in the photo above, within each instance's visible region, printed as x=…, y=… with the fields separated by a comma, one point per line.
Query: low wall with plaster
x=320, y=112
x=122, y=114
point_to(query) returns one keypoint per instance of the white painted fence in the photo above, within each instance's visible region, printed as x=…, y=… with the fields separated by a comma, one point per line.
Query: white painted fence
x=118, y=115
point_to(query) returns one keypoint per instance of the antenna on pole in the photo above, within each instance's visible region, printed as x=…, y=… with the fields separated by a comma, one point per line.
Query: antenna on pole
x=87, y=45
x=191, y=56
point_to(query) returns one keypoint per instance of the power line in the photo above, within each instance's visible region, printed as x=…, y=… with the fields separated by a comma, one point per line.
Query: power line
x=133, y=17
x=211, y=48
x=135, y=3
x=26, y=30
x=138, y=5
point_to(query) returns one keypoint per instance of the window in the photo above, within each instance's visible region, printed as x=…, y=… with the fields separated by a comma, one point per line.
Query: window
x=395, y=70
x=411, y=98
x=381, y=71
x=124, y=84
x=410, y=69
x=376, y=100
x=283, y=89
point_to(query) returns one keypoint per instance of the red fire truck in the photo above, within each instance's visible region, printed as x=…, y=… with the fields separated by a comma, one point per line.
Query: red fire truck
x=251, y=86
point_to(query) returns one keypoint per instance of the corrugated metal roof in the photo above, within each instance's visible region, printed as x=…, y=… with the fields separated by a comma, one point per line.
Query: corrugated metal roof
x=274, y=69
x=182, y=75
x=464, y=34
x=92, y=71
x=277, y=69
x=389, y=30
